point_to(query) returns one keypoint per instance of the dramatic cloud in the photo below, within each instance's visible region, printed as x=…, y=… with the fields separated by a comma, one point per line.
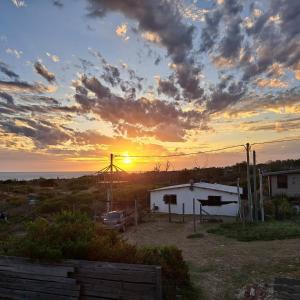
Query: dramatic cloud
x=42, y=132
x=149, y=114
x=6, y=70
x=24, y=87
x=284, y=102
x=7, y=97
x=271, y=83
x=226, y=93
x=279, y=126
x=168, y=88
x=43, y=71
x=162, y=20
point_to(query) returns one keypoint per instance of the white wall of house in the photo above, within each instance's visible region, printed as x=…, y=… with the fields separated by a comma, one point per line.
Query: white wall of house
x=293, y=187
x=185, y=195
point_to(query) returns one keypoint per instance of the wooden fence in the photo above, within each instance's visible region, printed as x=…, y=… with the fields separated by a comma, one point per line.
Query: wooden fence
x=21, y=278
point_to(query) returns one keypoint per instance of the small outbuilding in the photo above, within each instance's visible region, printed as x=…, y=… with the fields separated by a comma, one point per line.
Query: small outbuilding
x=216, y=199
x=286, y=182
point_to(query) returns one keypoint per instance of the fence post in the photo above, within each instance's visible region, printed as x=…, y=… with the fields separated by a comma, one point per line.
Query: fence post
x=200, y=212
x=158, y=284
x=135, y=213
x=194, y=215
x=169, y=207
x=261, y=196
x=182, y=212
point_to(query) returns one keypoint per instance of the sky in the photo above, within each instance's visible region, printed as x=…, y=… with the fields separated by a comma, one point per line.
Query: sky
x=80, y=79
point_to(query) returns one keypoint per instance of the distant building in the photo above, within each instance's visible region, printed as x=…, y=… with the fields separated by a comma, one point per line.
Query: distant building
x=216, y=199
x=285, y=182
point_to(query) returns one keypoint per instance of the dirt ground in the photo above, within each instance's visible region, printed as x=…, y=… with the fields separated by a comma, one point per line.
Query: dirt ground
x=220, y=267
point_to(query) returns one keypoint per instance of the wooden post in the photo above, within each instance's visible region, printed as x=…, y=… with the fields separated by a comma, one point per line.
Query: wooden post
x=239, y=199
x=194, y=215
x=200, y=212
x=158, y=283
x=255, y=187
x=182, y=212
x=250, y=207
x=135, y=213
x=169, y=208
x=261, y=197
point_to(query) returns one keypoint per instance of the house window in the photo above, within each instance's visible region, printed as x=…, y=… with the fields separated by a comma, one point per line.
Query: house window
x=214, y=201
x=172, y=199
x=282, y=181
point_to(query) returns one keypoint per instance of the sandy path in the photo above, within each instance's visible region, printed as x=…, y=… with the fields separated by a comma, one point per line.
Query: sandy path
x=221, y=266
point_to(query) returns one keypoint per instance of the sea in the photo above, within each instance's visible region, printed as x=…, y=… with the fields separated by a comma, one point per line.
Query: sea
x=46, y=175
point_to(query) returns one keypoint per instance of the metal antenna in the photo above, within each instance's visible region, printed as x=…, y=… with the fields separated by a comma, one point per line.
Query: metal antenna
x=110, y=170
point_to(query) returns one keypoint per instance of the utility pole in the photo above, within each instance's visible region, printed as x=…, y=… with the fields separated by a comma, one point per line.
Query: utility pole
x=249, y=184
x=111, y=180
x=254, y=187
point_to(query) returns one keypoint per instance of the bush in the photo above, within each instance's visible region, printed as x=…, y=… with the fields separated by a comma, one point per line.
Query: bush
x=73, y=235
x=272, y=230
x=279, y=208
x=174, y=269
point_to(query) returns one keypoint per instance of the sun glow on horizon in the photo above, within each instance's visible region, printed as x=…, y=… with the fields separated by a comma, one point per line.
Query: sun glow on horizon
x=126, y=159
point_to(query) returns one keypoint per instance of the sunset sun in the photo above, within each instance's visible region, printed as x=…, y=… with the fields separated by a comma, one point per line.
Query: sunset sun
x=127, y=160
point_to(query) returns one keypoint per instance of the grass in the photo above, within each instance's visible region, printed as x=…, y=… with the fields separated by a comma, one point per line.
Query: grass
x=271, y=230
x=195, y=236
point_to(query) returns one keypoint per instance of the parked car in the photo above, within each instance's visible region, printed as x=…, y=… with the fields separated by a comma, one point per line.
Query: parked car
x=118, y=219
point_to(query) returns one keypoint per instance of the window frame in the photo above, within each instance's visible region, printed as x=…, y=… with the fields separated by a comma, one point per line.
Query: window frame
x=282, y=184
x=172, y=198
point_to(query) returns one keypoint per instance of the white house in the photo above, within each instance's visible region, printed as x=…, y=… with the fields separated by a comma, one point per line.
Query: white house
x=216, y=199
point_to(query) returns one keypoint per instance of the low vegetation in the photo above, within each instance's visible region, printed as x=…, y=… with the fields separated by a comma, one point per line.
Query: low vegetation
x=195, y=236
x=271, y=230
x=73, y=235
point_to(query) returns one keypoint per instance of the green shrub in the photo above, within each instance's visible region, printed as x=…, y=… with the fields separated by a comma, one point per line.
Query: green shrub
x=195, y=236
x=279, y=208
x=272, y=230
x=73, y=235
x=174, y=269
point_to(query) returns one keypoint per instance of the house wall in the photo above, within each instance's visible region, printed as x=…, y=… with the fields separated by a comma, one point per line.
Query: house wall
x=293, y=189
x=185, y=195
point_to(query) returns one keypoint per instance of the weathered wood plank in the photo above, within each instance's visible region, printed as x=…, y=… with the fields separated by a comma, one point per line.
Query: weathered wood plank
x=23, y=279
x=39, y=289
x=116, y=285
x=119, y=266
x=28, y=295
x=116, y=294
x=39, y=283
x=141, y=277
x=37, y=269
x=38, y=277
x=55, y=269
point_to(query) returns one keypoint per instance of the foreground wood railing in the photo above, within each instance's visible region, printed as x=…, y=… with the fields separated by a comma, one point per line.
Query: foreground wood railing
x=21, y=278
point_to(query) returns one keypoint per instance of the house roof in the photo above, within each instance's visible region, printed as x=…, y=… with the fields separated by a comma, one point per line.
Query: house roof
x=291, y=171
x=204, y=185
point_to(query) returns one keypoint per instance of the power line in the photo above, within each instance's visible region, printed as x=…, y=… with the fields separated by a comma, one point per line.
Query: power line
x=276, y=141
x=179, y=154
x=207, y=151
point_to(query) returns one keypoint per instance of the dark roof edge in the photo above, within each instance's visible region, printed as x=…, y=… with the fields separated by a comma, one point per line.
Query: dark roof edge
x=281, y=172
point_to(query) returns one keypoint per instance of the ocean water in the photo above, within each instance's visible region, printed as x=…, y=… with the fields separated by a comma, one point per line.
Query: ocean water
x=36, y=175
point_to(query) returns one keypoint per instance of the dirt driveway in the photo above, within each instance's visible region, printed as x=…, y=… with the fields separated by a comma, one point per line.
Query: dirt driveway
x=221, y=267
